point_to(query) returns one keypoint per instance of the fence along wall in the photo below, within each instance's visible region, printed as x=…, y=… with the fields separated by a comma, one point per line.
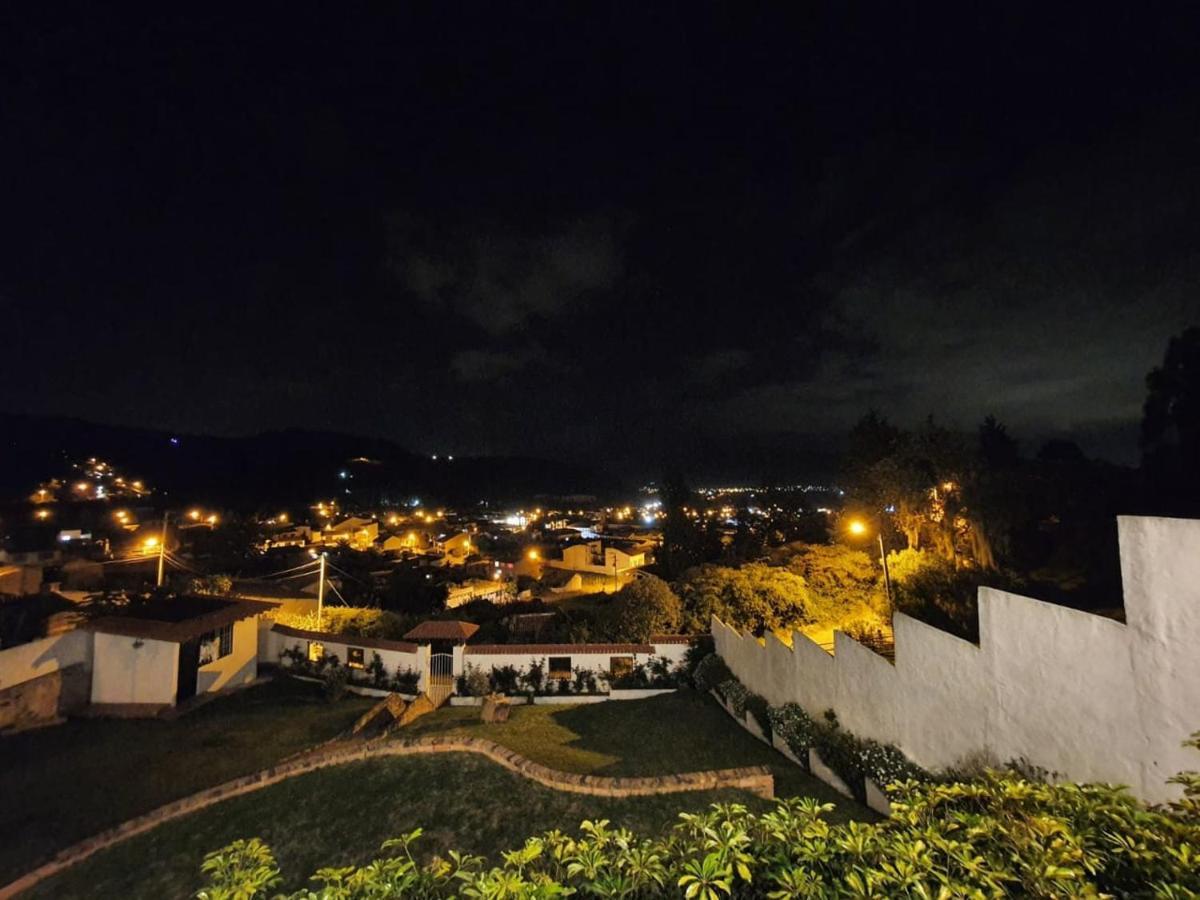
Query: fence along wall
x=1086, y=697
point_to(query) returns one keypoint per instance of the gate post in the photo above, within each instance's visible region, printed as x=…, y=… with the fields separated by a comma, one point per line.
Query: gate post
x=459, y=651
x=423, y=668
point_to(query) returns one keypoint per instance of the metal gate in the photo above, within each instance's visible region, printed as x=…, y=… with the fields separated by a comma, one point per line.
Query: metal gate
x=440, y=683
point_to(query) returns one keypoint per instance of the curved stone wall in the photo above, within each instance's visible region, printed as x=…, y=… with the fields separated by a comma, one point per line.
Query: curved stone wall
x=756, y=779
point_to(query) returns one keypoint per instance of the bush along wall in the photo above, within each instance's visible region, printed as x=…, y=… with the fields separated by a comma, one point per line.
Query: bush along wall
x=336, y=676
x=851, y=757
x=999, y=836
x=535, y=681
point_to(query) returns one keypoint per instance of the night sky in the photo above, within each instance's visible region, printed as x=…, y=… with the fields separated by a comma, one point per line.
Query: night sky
x=630, y=232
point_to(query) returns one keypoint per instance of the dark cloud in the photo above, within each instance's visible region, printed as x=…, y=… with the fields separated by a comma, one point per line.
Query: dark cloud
x=699, y=234
x=499, y=278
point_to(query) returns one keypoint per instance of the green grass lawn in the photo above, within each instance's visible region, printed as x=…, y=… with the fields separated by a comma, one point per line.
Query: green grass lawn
x=340, y=816
x=65, y=783
x=681, y=732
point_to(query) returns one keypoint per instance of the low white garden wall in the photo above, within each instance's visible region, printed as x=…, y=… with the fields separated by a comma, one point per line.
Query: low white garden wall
x=24, y=662
x=396, y=655
x=1086, y=697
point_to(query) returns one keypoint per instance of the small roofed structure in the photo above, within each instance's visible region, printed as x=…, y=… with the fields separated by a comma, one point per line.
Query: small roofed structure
x=451, y=630
x=167, y=651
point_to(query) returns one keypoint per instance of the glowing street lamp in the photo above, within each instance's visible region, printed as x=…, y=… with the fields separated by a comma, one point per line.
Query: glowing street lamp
x=534, y=555
x=858, y=528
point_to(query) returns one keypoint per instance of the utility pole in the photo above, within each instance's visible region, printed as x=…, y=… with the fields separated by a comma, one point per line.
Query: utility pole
x=887, y=578
x=162, y=549
x=321, y=593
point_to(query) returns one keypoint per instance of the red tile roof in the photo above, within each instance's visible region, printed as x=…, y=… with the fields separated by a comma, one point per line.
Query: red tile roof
x=178, y=632
x=442, y=630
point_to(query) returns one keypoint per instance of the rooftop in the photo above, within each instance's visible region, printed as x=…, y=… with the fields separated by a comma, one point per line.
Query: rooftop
x=442, y=630
x=177, y=620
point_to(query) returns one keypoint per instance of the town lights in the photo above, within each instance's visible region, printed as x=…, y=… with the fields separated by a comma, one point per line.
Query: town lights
x=194, y=515
x=150, y=543
x=42, y=514
x=857, y=527
x=534, y=555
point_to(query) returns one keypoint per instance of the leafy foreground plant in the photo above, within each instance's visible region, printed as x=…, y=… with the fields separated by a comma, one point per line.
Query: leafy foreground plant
x=996, y=837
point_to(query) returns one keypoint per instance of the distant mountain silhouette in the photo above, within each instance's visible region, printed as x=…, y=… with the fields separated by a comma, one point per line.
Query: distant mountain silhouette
x=289, y=466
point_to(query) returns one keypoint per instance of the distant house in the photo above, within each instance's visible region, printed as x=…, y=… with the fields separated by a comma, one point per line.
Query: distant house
x=415, y=541
x=596, y=558
x=171, y=650
x=477, y=589
x=454, y=548
x=600, y=567
x=296, y=536
x=357, y=532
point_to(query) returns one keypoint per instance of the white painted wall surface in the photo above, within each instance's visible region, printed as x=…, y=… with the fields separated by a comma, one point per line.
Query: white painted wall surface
x=276, y=643
x=239, y=667
x=1083, y=696
x=25, y=662
x=598, y=662
x=125, y=673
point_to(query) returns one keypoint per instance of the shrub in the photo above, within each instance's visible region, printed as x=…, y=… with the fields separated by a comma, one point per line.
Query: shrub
x=377, y=671
x=504, y=679
x=710, y=673
x=1000, y=836
x=794, y=725
x=474, y=682
x=406, y=681
x=700, y=648
x=585, y=681
x=534, y=677
x=335, y=680
x=886, y=765
x=735, y=695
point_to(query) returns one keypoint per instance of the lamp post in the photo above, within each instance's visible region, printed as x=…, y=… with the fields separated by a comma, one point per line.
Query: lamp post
x=858, y=527
x=321, y=593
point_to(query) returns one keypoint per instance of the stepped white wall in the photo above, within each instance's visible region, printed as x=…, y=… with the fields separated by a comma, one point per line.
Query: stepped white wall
x=1080, y=695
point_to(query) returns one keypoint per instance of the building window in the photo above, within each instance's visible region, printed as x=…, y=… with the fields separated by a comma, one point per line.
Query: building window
x=560, y=667
x=620, y=665
x=316, y=650
x=354, y=657
x=215, y=644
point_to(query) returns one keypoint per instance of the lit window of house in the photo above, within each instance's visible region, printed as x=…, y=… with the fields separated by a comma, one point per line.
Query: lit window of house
x=354, y=657
x=216, y=644
x=316, y=650
x=620, y=665
x=560, y=667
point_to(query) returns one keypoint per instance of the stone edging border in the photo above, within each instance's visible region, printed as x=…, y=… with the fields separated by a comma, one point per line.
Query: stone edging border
x=756, y=779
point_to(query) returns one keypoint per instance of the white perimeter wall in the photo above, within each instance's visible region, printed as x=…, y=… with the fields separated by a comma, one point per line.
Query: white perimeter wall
x=392, y=659
x=1080, y=695
x=25, y=662
x=597, y=661
x=239, y=667
x=134, y=670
